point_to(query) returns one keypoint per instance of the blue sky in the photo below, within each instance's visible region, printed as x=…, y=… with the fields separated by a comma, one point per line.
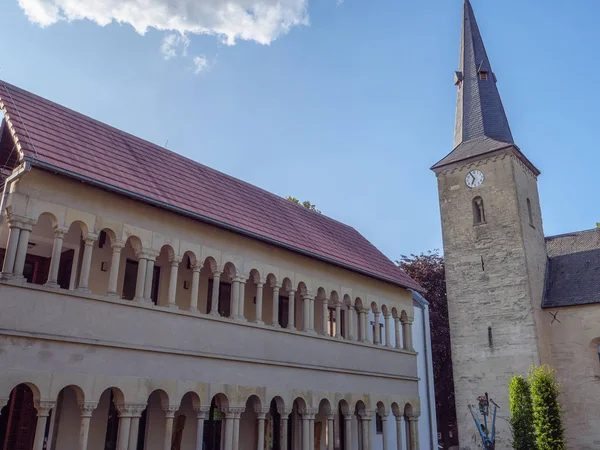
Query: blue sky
x=348, y=111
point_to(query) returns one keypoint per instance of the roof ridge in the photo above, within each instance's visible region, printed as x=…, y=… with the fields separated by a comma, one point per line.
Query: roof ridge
x=572, y=233
x=157, y=147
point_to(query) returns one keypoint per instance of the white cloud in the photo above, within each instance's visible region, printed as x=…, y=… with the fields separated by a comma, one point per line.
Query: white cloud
x=261, y=21
x=200, y=64
x=172, y=43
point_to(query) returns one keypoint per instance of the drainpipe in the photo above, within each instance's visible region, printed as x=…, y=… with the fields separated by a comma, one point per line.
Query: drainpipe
x=25, y=167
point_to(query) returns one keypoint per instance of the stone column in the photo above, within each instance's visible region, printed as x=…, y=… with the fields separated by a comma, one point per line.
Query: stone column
x=169, y=417
x=196, y=268
x=330, y=431
x=259, y=303
x=124, y=427
x=325, y=318
x=410, y=334
x=235, y=298
x=397, y=331
x=242, y=310
x=398, y=431
x=173, y=275
x=22, y=249
x=306, y=313
x=413, y=426
x=384, y=435
x=338, y=320
x=236, y=428
x=407, y=334
x=366, y=320
x=59, y=236
x=261, y=414
x=361, y=325
x=229, y=414
x=134, y=427
x=86, y=409
x=311, y=431
x=214, y=301
x=377, y=331
x=141, y=276
x=86, y=262
x=200, y=416
x=348, y=431
x=349, y=324
x=14, y=230
x=275, y=317
x=148, y=281
x=285, y=415
x=291, y=310
x=43, y=411
x=388, y=331
x=305, y=430
x=113, y=277
x=312, y=315
x=366, y=419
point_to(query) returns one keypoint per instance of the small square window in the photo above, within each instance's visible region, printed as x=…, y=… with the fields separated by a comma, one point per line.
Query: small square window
x=483, y=75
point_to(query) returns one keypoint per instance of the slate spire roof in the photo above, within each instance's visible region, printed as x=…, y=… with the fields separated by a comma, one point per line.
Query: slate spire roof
x=481, y=123
x=52, y=137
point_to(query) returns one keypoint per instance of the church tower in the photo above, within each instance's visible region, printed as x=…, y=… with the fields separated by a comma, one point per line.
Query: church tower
x=493, y=243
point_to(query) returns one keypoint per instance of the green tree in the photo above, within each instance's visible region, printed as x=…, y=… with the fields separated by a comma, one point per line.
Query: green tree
x=545, y=390
x=521, y=414
x=305, y=203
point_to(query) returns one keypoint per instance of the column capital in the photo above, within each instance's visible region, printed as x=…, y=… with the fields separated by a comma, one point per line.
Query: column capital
x=413, y=416
x=90, y=239
x=261, y=412
x=330, y=415
x=130, y=409
x=275, y=286
x=149, y=255
x=367, y=414
x=117, y=245
x=285, y=412
x=217, y=273
x=87, y=408
x=259, y=284
x=59, y=231
x=233, y=412
x=201, y=411
x=387, y=315
x=308, y=297
x=197, y=267
x=407, y=320
x=170, y=410
x=348, y=416
x=310, y=413
x=175, y=260
x=44, y=407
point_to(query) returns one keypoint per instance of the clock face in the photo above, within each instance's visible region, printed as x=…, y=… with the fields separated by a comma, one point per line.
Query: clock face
x=474, y=178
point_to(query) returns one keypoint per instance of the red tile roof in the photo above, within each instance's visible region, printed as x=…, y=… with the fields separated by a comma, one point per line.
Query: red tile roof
x=54, y=137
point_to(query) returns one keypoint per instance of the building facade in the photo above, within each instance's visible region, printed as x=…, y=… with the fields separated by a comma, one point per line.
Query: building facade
x=506, y=281
x=149, y=302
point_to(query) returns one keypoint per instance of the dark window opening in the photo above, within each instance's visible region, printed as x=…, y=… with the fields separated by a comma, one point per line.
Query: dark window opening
x=483, y=75
x=224, y=306
x=490, y=339
x=284, y=310
x=112, y=425
x=530, y=213
x=130, y=281
x=378, y=424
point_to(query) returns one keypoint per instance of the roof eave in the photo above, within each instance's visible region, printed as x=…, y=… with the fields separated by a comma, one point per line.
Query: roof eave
x=52, y=168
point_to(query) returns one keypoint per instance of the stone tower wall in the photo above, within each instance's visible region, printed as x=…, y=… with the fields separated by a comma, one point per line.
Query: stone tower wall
x=488, y=282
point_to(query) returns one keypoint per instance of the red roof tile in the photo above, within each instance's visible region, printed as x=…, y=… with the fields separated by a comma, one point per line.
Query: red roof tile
x=76, y=145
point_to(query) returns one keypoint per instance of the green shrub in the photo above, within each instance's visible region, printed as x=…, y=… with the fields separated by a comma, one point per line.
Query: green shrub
x=549, y=432
x=521, y=414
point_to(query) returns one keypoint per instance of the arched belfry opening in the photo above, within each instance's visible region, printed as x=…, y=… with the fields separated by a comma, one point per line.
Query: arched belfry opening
x=478, y=211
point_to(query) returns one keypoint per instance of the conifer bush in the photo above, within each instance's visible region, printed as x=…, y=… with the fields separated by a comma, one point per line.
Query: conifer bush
x=521, y=414
x=549, y=432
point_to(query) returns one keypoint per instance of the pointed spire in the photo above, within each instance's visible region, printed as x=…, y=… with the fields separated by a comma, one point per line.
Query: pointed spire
x=481, y=124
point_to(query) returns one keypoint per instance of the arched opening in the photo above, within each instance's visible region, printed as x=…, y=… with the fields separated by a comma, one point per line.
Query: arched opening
x=286, y=298
x=104, y=424
x=274, y=434
x=362, y=425
x=478, y=211
x=133, y=270
x=226, y=295
x=162, y=276
x=333, y=324
x=152, y=422
x=376, y=325
x=343, y=434
x=214, y=423
x=18, y=420
x=249, y=423
x=321, y=312
x=302, y=308
x=67, y=418
x=408, y=410
x=255, y=298
x=361, y=328
x=325, y=426
x=349, y=319
x=185, y=423
x=271, y=301
x=296, y=424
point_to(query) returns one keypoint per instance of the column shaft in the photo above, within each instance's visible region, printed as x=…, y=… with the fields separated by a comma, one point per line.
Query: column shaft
x=141, y=279
x=173, y=275
x=55, y=260
x=330, y=433
x=21, y=252
x=113, y=277
x=414, y=433
x=123, y=439
x=236, y=432
x=235, y=298
x=242, y=308
x=260, y=444
x=134, y=429
x=384, y=432
x=311, y=432
x=259, y=302
x=214, y=301
x=377, y=331
x=228, y=432
x=284, y=431
x=338, y=321
x=398, y=432
x=305, y=433
x=325, y=318
x=348, y=432
x=40, y=429
x=291, y=311
x=86, y=264
x=169, y=416
x=148, y=280
x=397, y=331
x=84, y=430
x=410, y=337
x=305, y=313
x=312, y=315
x=11, y=251
x=275, y=317
x=199, y=432
x=195, y=289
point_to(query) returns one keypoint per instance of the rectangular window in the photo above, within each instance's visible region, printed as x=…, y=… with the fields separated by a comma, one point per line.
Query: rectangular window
x=224, y=306
x=284, y=309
